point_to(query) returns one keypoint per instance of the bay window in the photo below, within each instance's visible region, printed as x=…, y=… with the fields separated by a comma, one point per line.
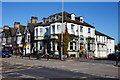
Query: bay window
x=81, y=29
x=88, y=30
x=71, y=45
x=72, y=29
x=41, y=32
x=53, y=29
x=46, y=31
x=58, y=29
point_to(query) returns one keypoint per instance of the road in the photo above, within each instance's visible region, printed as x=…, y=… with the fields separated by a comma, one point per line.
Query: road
x=25, y=68
x=28, y=71
x=110, y=62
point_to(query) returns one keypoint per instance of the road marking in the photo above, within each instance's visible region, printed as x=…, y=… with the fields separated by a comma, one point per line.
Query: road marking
x=19, y=68
x=39, y=67
x=84, y=77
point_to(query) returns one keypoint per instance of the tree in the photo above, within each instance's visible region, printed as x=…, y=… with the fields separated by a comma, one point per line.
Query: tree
x=66, y=40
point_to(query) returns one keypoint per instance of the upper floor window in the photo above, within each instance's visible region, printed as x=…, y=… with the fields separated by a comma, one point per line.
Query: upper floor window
x=57, y=17
x=88, y=30
x=104, y=39
x=107, y=50
x=81, y=29
x=110, y=50
x=9, y=39
x=46, y=31
x=110, y=40
x=41, y=31
x=28, y=38
x=96, y=38
x=53, y=29
x=36, y=32
x=58, y=29
x=72, y=29
x=4, y=40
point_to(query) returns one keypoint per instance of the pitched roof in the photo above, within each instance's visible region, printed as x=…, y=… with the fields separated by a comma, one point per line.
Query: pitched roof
x=31, y=26
x=13, y=31
x=99, y=33
x=22, y=29
x=7, y=33
x=67, y=18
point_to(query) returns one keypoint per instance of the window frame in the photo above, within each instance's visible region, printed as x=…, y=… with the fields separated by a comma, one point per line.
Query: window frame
x=53, y=29
x=41, y=31
x=89, y=30
x=57, y=17
x=72, y=29
x=40, y=45
x=81, y=28
x=71, y=45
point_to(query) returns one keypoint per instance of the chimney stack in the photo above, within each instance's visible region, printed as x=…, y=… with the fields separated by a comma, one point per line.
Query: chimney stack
x=16, y=25
x=34, y=19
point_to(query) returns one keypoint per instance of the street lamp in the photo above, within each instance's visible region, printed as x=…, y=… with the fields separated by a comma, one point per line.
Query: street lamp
x=62, y=33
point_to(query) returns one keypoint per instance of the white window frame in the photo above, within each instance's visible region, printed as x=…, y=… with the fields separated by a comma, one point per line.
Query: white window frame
x=41, y=31
x=72, y=29
x=58, y=29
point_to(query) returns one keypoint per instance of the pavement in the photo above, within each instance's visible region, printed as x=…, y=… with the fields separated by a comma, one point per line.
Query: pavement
x=69, y=68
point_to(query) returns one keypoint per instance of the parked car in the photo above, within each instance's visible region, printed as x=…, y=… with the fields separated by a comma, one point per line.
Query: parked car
x=6, y=54
x=114, y=56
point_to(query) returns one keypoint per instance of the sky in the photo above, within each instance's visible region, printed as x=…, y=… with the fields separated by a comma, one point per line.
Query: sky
x=102, y=15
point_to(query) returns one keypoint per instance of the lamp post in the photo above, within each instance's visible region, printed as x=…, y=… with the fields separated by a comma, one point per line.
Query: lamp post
x=62, y=33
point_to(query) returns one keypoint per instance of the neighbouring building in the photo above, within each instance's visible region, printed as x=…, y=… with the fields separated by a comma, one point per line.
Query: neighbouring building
x=29, y=36
x=104, y=45
x=19, y=37
x=1, y=33
x=85, y=38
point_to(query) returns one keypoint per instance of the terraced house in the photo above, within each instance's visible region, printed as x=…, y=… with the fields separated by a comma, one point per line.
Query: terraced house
x=12, y=38
x=86, y=41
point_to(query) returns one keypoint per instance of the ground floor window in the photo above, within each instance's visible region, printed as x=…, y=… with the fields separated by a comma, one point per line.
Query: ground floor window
x=53, y=46
x=71, y=45
x=110, y=50
x=75, y=46
x=88, y=46
x=57, y=46
x=107, y=50
x=40, y=45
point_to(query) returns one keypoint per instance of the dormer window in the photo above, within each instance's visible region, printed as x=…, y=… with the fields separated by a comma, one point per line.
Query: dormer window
x=50, y=19
x=43, y=20
x=72, y=17
x=57, y=17
x=81, y=19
